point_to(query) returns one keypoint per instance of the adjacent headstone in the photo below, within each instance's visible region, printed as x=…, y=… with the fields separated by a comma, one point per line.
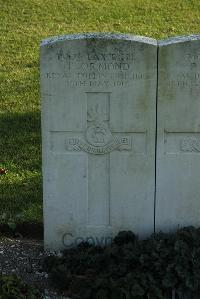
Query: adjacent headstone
x=98, y=121
x=178, y=149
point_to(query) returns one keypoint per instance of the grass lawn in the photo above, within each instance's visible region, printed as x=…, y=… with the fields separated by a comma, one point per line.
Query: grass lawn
x=24, y=23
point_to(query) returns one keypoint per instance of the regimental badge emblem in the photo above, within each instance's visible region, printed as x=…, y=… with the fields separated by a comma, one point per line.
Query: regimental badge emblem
x=98, y=136
x=98, y=132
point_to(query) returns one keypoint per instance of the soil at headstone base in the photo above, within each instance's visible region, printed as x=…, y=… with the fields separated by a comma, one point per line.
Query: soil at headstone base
x=24, y=258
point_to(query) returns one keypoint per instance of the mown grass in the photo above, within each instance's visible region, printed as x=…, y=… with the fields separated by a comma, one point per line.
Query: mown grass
x=24, y=24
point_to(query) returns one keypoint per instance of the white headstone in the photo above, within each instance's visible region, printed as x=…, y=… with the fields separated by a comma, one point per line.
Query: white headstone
x=98, y=121
x=178, y=150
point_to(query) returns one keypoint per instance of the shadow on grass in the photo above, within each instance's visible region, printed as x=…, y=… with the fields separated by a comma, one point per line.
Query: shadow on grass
x=21, y=140
x=20, y=154
x=25, y=230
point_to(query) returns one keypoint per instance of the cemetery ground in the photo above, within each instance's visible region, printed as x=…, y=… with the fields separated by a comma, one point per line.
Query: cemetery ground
x=23, y=25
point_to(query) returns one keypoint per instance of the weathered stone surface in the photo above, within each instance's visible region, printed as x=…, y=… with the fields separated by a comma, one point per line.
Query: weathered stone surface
x=98, y=124
x=178, y=149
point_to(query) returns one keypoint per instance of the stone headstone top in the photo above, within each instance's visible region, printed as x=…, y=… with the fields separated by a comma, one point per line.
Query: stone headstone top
x=107, y=36
x=178, y=39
